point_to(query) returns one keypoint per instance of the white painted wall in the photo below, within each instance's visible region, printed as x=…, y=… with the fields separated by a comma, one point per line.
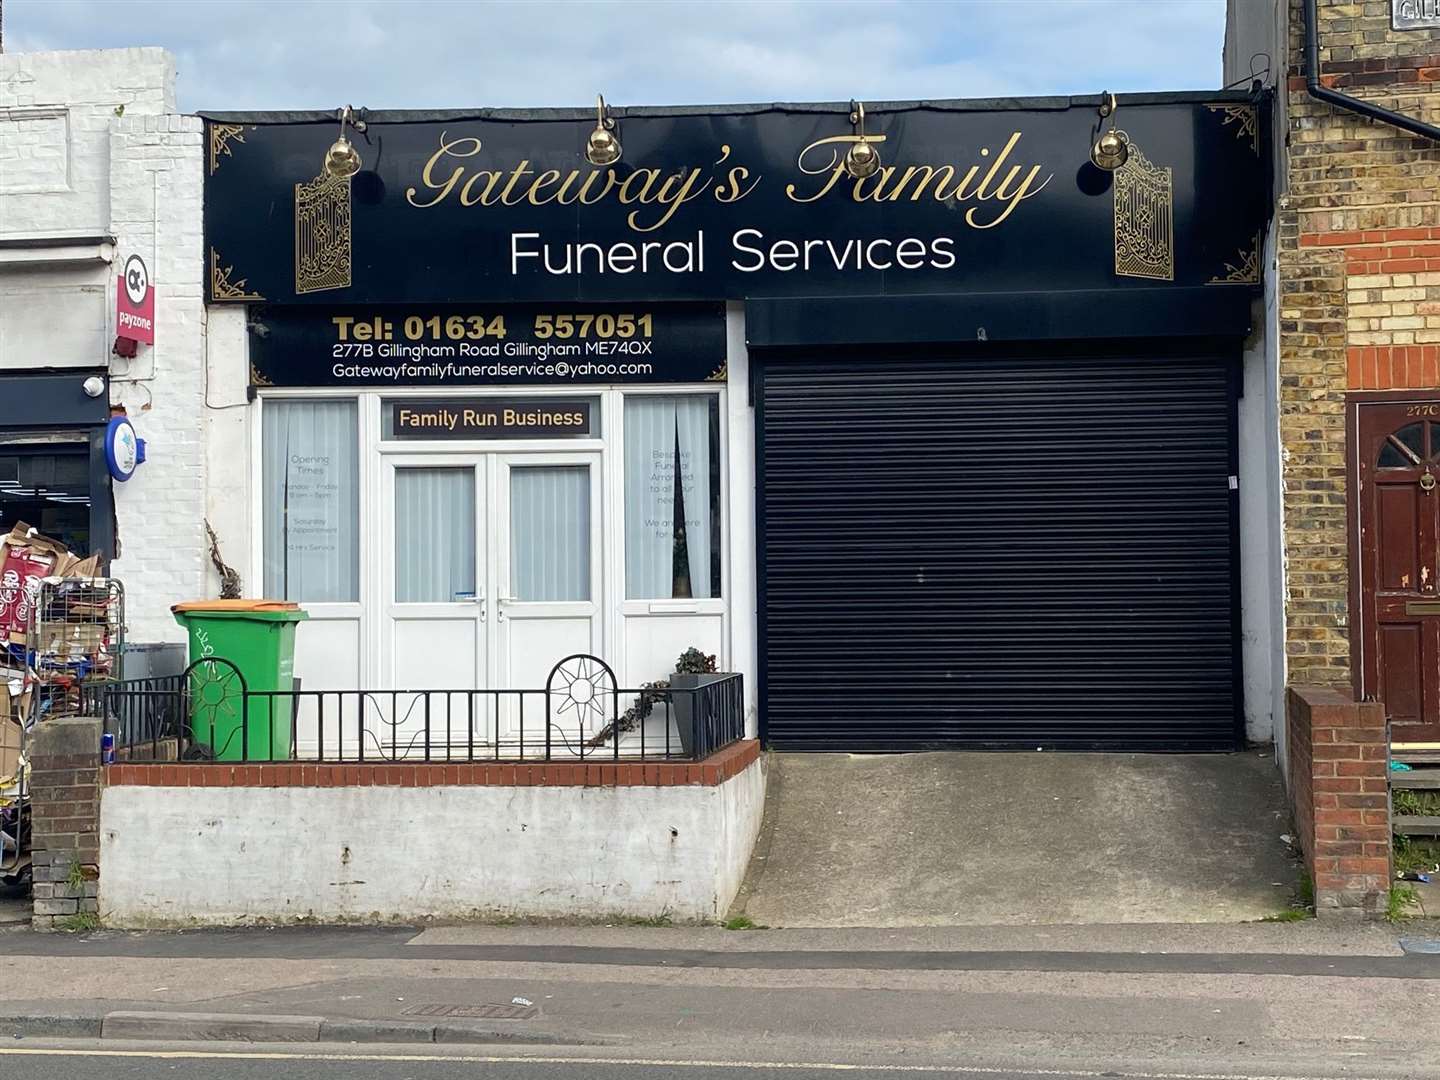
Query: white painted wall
x=744, y=602
x=1256, y=39
x=230, y=856
x=56, y=110
x=156, y=196
x=1262, y=651
x=229, y=485
x=55, y=316
x=90, y=146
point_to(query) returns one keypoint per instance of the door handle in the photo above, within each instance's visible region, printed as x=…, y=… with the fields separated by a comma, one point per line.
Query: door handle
x=500, y=602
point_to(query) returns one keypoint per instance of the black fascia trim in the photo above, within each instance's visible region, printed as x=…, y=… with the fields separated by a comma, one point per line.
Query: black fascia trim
x=36, y=400
x=1055, y=103
x=1201, y=311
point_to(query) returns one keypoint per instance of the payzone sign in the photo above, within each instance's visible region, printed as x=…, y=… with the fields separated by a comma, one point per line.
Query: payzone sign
x=135, y=303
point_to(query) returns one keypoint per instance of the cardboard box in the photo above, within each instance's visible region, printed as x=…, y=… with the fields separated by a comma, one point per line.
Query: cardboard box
x=10, y=732
x=75, y=641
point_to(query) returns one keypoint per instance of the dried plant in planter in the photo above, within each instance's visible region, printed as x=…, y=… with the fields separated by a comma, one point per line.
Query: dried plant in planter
x=691, y=661
x=651, y=694
x=694, y=662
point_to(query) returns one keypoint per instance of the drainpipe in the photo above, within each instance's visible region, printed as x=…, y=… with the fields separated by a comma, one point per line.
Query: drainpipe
x=1345, y=101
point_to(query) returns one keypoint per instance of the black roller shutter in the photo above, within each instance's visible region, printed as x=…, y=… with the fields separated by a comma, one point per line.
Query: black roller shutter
x=995, y=553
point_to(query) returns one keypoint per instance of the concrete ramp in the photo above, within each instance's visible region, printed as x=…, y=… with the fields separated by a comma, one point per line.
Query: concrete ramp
x=984, y=839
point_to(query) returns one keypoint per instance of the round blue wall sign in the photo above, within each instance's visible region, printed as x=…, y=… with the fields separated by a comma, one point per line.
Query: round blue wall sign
x=123, y=449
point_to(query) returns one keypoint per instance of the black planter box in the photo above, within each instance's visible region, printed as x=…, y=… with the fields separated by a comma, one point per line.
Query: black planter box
x=683, y=704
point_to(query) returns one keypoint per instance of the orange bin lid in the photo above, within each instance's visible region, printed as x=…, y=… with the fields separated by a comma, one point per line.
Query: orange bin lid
x=235, y=605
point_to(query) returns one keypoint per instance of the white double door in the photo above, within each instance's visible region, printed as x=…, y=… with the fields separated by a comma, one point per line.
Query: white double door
x=491, y=574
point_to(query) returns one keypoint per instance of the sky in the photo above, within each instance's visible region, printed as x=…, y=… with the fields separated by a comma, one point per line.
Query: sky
x=271, y=54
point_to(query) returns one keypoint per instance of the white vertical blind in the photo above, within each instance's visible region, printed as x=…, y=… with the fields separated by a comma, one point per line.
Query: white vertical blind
x=311, y=477
x=668, y=440
x=550, y=532
x=434, y=534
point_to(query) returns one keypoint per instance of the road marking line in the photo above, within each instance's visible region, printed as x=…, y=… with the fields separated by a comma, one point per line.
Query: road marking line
x=666, y=1063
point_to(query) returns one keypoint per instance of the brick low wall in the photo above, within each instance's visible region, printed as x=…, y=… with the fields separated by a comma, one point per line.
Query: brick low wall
x=227, y=845
x=716, y=769
x=1339, y=757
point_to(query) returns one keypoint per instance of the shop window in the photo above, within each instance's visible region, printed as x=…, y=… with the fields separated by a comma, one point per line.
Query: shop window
x=49, y=489
x=311, y=481
x=672, y=497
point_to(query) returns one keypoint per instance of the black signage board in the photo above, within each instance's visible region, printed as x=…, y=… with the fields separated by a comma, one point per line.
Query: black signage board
x=734, y=203
x=488, y=418
x=559, y=344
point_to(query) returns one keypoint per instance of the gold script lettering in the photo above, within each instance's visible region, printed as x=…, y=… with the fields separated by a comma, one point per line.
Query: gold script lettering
x=1011, y=198
x=1001, y=181
x=451, y=148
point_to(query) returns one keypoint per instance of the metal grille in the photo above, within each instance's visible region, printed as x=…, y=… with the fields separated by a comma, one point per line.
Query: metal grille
x=998, y=553
x=476, y=1012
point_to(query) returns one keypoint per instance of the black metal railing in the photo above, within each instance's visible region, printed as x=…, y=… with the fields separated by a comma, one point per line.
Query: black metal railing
x=210, y=713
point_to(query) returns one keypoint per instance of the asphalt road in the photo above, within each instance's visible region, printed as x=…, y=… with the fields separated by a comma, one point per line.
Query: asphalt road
x=188, y=1064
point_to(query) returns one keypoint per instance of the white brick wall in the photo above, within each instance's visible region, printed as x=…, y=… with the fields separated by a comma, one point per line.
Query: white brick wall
x=77, y=94
x=156, y=188
x=134, y=170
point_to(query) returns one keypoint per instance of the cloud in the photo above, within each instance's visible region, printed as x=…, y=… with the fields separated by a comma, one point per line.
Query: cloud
x=270, y=54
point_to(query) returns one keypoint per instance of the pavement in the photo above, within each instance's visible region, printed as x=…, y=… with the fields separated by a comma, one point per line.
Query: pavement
x=1281, y=1000
x=219, y=1065
x=912, y=840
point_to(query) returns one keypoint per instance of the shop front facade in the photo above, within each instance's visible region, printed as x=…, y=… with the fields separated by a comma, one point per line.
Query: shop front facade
x=510, y=525
x=950, y=455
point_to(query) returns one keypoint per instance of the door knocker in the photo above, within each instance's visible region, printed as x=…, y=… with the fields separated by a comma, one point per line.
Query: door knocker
x=1427, y=482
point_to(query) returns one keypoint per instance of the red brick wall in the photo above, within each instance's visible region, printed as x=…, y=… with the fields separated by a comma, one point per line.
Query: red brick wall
x=65, y=782
x=1339, y=757
x=715, y=769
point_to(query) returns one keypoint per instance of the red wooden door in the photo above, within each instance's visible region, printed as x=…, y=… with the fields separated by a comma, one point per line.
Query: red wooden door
x=1398, y=447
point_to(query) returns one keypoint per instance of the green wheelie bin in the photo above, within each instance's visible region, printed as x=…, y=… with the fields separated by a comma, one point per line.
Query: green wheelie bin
x=258, y=637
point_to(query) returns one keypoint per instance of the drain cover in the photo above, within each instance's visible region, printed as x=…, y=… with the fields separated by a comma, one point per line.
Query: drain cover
x=476, y=1012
